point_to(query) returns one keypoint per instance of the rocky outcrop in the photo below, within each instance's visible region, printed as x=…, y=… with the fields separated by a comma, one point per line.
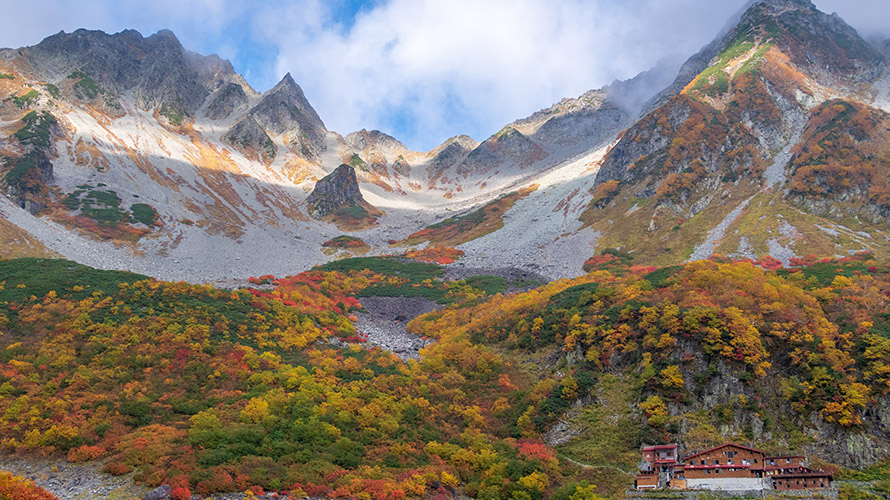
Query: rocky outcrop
x=284, y=110
x=160, y=493
x=373, y=139
x=156, y=69
x=249, y=137
x=450, y=152
x=507, y=147
x=226, y=99
x=337, y=190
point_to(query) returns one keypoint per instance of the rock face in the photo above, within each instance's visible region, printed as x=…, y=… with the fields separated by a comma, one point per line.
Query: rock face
x=450, y=152
x=508, y=146
x=250, y=138
x=156, y=69
x=225, y=100
x=285, y=110
x=335, y=191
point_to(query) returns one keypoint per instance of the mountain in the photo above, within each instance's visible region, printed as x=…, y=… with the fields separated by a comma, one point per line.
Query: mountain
x=735, y=161
x=124, y=151
x=767, y=146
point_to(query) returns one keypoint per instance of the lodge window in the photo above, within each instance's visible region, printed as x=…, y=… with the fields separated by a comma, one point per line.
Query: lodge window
x=730, y=454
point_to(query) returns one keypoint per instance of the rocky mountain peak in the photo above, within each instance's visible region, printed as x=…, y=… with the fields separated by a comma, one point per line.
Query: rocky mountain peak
x=779, y=6
x=156, y=69
x=823, y=45
x=336, y=190
x=461, y=142
x=288, y=94
x=364, y=139
x=285, y=110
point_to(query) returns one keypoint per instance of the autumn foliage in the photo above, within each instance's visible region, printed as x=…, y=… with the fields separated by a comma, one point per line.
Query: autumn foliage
x=821, y=329
x=214, y=390
x=469, y=226
x=18, y=488
x=436, y=255
x=842, y=154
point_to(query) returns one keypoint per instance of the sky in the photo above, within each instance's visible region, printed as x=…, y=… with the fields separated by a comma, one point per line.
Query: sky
x=421, y=70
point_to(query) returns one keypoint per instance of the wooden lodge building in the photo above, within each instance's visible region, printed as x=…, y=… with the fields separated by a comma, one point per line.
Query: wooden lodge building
x=726, y=467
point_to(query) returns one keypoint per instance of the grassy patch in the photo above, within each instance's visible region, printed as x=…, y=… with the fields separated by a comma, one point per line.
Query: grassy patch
x=173, y=112
x=463, y=228
x=40, y=276
x=20, y=168
x=36, y=131
x=661, y=237
x=344, y=241
x=6, y=76
x=488, y=284
x=611, y=434
x=16, y=242
x=357, y=162
x=715, y=79
x=53, y=91
x=354, y=217
x=103, y=207
x=144, y=213
x=25, y=100
x=413, y=271
x=85, y=87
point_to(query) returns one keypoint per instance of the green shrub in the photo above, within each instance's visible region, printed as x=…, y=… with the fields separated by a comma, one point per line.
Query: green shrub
x=144, y=213
x=86, y=87
x=173, y=112
x=53, y=91
x=36, y=131
x=25, y=100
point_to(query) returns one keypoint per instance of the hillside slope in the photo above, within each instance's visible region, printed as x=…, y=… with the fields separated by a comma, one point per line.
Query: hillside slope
x=736, y=162
x=131, y=152
x=742, y=153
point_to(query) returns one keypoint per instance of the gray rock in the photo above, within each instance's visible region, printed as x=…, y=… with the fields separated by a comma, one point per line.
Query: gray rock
x=249, y=137
x=224, y=100
x=285, y=110
x=159, y=493
x=156, y=69
x=509, y=146
x=335, y=190
x=451, y=152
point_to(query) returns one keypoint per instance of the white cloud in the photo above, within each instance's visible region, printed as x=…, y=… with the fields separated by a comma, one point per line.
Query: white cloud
x=467, y=66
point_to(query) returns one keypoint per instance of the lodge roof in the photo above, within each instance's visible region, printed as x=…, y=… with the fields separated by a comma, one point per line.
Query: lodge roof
x=811, y=473
x=722, y=446
x=660, y=447
x=715, y=466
